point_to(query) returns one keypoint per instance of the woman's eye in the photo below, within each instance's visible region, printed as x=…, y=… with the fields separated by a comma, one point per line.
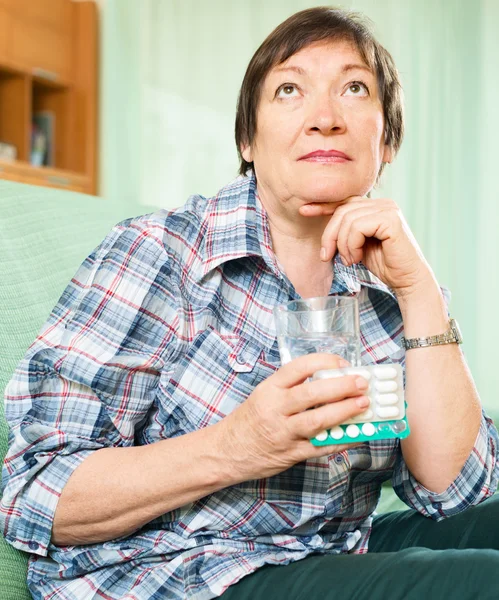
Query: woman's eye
x=356, y=87
x=287, y=90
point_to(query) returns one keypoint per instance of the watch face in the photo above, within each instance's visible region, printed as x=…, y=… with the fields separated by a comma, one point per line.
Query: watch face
x=457, y=331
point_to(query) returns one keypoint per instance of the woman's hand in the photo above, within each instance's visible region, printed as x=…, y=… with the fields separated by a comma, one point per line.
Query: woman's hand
x=376, y=233
x=271, y=431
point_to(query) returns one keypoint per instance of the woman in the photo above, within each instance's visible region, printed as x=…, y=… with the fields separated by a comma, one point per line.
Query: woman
x=158, y=450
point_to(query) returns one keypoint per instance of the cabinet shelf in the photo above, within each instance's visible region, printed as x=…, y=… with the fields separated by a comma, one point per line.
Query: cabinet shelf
x=48, y=66
x=24, y=172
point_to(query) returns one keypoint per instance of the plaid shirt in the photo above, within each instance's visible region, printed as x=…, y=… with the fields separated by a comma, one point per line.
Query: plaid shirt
x=166, y=328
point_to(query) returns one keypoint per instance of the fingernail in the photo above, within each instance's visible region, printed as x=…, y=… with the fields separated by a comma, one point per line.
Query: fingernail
x=343, y=363
x=343, y=260
x=323, y=254
x=361, y=383
x=362, y=402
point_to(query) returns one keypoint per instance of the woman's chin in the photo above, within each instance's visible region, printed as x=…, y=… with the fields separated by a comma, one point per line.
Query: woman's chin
x=327, y=194
x=328, y=189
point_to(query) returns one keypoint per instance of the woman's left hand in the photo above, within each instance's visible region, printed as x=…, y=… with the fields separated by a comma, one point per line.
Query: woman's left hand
x=376, y=233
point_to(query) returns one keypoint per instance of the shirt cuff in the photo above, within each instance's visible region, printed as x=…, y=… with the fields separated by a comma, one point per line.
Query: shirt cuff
x=29, y=516
x=477, y=480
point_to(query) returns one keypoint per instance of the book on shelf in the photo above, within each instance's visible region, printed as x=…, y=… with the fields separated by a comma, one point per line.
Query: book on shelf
x=43, y=139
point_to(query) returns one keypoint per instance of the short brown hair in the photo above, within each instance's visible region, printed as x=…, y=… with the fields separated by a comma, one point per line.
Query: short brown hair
x=320, y=24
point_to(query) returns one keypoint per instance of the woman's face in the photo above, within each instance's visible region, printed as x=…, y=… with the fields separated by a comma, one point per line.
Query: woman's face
x=322, y=98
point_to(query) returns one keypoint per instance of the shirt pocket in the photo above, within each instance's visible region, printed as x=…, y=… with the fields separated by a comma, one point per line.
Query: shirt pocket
x=216, y=374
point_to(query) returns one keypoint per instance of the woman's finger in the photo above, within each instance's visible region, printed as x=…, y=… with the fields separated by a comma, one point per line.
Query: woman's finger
x=329, y=240
x=311, y=422
x=318, y=210
x=300, y=369
x=343, y=243
x=375, y=225
x=323, y=391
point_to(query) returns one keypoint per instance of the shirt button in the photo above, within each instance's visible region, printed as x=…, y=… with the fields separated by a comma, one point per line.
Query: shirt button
x=338, y=459
x=33, y=545
x=241, y=359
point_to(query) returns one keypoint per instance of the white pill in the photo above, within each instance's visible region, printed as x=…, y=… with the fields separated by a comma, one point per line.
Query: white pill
x=368, y=429
x=385, y=372
x=386, y=386
x=328, y=374
x=336, y=433
x=387, y=399
x=356, y=371
x=366, y=415
x=322, y=436
x=352, y=431
x=387, y=411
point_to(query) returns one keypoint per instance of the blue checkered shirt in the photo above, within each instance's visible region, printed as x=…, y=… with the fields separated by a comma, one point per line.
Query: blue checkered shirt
x=166, y=328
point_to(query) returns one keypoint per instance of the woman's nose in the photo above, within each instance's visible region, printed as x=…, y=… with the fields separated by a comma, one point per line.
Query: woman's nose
x=325, y=116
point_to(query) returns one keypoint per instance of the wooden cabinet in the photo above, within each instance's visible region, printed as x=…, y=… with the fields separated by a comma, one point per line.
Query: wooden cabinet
x=41, y=49
x=44, y=176
x=55, y=14
x=48, y=64
x=5, y=28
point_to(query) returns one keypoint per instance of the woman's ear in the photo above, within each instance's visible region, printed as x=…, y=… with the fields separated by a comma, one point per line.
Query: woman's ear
x=387, y=154
x=246, y=153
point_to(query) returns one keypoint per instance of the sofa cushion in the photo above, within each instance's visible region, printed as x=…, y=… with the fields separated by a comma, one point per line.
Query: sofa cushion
x=45, y=234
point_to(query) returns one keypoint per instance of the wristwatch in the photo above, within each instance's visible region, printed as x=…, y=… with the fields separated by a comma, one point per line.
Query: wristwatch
x=451, y=336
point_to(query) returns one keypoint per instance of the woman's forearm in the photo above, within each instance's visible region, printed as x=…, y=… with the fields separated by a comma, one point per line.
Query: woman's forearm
x=115, y=491
x=444, y=410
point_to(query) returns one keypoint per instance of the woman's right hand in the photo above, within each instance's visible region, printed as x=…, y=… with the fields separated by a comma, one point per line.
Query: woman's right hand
x=271, y=431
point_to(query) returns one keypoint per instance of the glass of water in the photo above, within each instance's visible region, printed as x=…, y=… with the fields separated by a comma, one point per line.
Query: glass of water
x=323, y=324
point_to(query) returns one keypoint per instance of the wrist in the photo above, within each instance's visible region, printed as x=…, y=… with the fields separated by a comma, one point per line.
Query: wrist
x=230, y=468
x=426, y=283
x=424, y=312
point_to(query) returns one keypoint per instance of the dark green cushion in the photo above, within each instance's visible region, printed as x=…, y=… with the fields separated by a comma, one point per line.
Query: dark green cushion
x=44, y=236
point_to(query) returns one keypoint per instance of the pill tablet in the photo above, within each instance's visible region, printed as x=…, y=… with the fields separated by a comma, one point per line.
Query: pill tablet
x=386, y=386
x=387, y=399
x=387, y=411
x=368, y=429
x=336, y=433
x=322, y=436
x=385, y=372
x=356, y=371
x=368, y=414
x=328, y=374
x=352, y=431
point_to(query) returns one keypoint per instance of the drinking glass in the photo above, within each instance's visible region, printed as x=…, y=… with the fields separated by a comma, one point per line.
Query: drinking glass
x=322, y=324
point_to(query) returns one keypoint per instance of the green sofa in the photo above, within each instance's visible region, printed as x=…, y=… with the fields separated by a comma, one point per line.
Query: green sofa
x=44, y=236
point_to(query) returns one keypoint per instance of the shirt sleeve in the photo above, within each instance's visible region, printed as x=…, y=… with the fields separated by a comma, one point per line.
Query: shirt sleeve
x=477, y=480
x=89, y=379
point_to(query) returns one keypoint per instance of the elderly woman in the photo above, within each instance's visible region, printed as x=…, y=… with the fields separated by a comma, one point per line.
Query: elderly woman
x=157, y=449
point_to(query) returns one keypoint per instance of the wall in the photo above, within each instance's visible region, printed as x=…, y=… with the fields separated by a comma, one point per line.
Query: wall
x=172, y=71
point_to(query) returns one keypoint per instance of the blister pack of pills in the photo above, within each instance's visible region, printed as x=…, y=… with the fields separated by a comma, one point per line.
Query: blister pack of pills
x=384, y=418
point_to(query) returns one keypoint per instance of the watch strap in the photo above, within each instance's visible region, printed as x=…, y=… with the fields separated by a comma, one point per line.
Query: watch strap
x=451, y=336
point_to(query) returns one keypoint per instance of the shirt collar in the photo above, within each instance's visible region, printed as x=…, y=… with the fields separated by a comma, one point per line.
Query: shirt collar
x=236, y=226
